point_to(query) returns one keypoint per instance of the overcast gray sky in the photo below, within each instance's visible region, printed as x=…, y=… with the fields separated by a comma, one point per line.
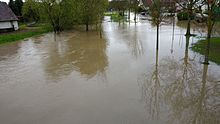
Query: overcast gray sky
x=5, y=0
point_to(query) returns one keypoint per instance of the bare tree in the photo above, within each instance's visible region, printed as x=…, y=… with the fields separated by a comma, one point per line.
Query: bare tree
x=211, y=5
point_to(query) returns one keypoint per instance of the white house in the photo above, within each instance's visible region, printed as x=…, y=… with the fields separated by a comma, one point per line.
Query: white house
x=8, y=20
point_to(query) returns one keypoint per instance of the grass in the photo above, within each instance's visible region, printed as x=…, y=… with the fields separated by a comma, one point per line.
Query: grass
x=24, y=32
x=214, y=54
x=115, y=16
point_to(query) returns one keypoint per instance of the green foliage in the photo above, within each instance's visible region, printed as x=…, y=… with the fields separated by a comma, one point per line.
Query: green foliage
x=16, y=6
x=31, y=11
x=90, y=11
x=12, y=5
x=157, y=12
x=216, y=12
x=19, y=4
x=214, y=55
x=119, y=5
x=184, y=16
x=140, y=9
x=63, y=14
x=116, y=17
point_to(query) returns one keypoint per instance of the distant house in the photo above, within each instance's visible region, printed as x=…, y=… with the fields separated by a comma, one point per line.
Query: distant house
x=8, y=20
x=167, y=3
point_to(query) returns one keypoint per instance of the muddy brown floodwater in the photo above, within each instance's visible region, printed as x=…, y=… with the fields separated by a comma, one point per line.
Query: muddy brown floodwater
x=78, y=78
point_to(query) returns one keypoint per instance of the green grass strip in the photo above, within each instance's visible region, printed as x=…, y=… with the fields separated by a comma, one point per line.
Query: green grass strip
x=214, y=54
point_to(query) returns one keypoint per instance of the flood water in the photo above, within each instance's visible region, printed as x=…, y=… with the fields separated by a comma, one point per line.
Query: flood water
x=78, y=78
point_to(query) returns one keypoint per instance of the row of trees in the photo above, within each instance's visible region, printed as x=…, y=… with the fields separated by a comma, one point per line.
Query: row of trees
x=62, y=14
x=158, y=8
x=125, y=5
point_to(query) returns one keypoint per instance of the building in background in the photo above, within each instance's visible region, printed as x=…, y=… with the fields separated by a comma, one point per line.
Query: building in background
x=8, y=20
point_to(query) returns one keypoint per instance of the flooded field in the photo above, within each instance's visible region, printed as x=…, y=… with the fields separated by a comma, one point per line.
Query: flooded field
x=79, y=78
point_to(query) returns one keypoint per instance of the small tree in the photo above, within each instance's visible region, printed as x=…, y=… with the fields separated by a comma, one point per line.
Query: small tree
x=212, y=6
x=189, y=6
x=120, y=5
x=90, y=11
x=135, y=7
x=60, y=13
x=156, y=12
x=31, y=11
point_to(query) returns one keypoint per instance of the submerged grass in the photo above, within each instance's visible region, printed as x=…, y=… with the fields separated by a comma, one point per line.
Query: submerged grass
x=24, y=32
x=214, y=54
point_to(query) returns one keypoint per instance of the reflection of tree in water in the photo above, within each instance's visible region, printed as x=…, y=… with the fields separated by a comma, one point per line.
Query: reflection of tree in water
x=191, y=100
x=192, y=96
x=134, y=43
x=152, y=91
x=85, y=53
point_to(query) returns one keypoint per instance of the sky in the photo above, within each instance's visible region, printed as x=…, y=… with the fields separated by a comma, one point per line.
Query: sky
x=5, y=1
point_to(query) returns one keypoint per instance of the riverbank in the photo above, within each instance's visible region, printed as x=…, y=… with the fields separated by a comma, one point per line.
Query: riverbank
x=214, y=55
x=24, y=32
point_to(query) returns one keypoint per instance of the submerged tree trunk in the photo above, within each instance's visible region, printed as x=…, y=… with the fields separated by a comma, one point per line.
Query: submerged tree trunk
x=135, y=11
x=157, y=45
x=189, y=14
x=210, y=24
x=208, y=43
x=87, y=27
x=207, y=51
x=100, y=29
x=135, y=14
x=188, y=26
x=129, y=10
x=173, y=34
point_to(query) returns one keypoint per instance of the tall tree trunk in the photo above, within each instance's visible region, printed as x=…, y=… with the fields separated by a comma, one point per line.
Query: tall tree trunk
x=207, y=51
x=135, y=14
x=129, y=10
x=188, y=26
x=189, y=12
x=157, y=45
x=87, y=27
x=210, y=25
x=100, y=29
x=135, y=11
x=173, y=34
x=208, y=42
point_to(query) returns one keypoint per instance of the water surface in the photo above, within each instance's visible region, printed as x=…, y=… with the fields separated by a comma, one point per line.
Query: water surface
x=79, y=78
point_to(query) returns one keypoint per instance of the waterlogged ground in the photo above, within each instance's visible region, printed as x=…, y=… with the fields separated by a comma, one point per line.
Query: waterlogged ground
x=78, y=78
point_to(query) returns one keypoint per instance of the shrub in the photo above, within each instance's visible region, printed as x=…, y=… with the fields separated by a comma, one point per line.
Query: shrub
x=183, y=16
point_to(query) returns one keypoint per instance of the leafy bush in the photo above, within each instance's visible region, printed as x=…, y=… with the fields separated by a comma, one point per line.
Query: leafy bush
x=183, y=16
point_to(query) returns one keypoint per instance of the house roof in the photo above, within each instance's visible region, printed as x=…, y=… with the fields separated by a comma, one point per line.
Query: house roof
x=6, y=14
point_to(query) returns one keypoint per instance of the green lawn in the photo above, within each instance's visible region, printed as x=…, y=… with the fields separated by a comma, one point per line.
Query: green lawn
x=214, y=55
x=24, y=32
x=115, y=16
